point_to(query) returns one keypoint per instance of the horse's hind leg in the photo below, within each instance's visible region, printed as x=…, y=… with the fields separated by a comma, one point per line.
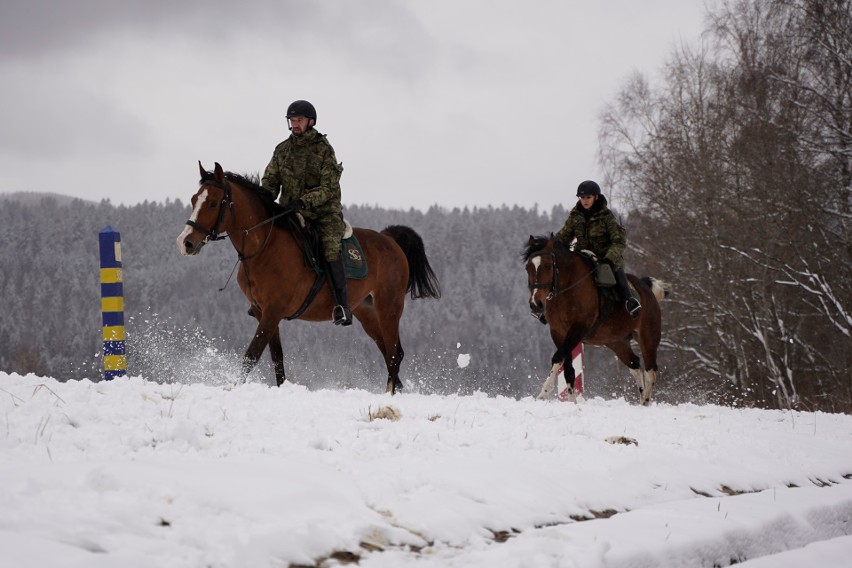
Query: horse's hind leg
x=646, y=388
x=626, y=355
x=387, y=342
x=648, y=344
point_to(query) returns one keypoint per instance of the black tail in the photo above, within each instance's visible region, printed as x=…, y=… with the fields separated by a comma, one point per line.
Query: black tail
x=422, y=282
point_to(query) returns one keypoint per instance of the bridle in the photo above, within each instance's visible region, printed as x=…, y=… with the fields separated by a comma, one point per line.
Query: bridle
x=227, y=203
x=215, y=234
x=551, y=287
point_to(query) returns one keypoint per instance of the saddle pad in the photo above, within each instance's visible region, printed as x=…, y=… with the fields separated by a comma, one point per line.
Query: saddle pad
x=354, y=261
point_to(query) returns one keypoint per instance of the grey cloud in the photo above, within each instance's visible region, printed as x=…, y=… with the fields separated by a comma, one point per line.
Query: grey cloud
x=45, y=120
x=384, y=37
x=33, y=27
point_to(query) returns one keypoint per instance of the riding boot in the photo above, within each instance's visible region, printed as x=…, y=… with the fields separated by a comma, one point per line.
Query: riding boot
x=631, y=302
x=337, y=278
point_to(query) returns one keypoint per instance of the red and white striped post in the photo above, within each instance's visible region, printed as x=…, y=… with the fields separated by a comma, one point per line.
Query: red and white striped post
x=562, y=384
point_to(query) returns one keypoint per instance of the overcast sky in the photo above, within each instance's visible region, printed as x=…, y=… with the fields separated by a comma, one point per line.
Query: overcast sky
x=448, y=102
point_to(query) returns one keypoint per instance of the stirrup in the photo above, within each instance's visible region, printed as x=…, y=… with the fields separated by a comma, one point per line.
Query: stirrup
x=633, y=307
x=341, y=315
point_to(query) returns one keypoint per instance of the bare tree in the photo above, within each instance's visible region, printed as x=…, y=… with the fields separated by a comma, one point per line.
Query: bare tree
x=737, y=171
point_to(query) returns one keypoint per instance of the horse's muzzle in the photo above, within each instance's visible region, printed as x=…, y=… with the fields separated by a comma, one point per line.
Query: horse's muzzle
x=190, y=249
x=537, y=311
x=186, y=245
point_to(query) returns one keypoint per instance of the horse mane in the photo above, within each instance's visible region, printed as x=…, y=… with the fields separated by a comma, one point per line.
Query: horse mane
x=537, y=243
x=252, y=183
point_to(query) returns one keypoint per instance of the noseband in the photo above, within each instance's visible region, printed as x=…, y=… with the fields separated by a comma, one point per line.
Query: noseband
x=227, y=203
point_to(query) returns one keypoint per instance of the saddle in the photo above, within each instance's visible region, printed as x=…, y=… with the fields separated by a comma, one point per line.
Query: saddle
x=610, y=292
x=354, y=261
x=308, y=239
x=604, y=277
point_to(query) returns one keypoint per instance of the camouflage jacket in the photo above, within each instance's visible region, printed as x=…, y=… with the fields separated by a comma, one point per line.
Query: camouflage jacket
x=305, y=167
x=597, y=230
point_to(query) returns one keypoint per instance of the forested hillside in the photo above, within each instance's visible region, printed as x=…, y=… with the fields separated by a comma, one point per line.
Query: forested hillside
x=176, y=315
x=180, y=325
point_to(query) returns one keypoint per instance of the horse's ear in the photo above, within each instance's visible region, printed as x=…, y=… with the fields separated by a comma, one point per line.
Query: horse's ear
x=219, y=173
x=202, y=170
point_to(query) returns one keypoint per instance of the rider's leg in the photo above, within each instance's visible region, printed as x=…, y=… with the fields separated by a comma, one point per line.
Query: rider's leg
x=331, y=230
x=341, y=313
x=631, y=303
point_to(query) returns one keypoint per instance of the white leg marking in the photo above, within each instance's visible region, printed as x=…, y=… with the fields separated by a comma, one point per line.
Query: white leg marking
x=650, y=379
x=549, y=383
x=639, y=377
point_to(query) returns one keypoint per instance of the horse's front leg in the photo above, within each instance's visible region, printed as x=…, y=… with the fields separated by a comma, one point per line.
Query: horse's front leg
x=394, y=384
x=266, y=330
x=277, y=354
x=558, y=360
x=549, y=383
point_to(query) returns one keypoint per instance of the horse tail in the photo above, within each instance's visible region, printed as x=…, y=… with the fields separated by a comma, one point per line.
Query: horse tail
x=660, y=289
x=422, y=282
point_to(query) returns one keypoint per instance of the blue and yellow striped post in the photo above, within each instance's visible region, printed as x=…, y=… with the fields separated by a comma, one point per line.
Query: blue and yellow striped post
x=112, y=303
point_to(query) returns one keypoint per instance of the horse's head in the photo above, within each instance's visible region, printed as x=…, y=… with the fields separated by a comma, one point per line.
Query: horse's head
x=209, y=205
x=541, y=272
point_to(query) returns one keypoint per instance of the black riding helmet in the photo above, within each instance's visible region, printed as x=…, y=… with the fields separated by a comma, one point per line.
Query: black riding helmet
x=588, y=187
x=302, y=108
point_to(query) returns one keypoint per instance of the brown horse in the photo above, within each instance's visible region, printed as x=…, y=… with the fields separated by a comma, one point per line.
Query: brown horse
x=564, y=295
x=277, y=281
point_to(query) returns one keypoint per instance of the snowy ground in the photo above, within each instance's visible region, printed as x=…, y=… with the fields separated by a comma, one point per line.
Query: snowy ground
x=133, y=473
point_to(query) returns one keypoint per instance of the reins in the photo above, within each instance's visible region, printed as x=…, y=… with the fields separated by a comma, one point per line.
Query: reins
x=553, y=292
x=603, y=312
x=228, y=202
x=214, y=235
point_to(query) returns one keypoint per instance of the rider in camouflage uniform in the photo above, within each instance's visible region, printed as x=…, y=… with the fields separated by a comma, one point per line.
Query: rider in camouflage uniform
x=596, y=229
x=305, y=176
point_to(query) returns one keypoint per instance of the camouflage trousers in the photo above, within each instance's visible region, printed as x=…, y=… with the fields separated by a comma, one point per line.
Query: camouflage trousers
x=330, y=229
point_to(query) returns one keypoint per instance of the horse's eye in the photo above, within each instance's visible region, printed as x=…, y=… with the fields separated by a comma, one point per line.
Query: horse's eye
x=212, y=204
